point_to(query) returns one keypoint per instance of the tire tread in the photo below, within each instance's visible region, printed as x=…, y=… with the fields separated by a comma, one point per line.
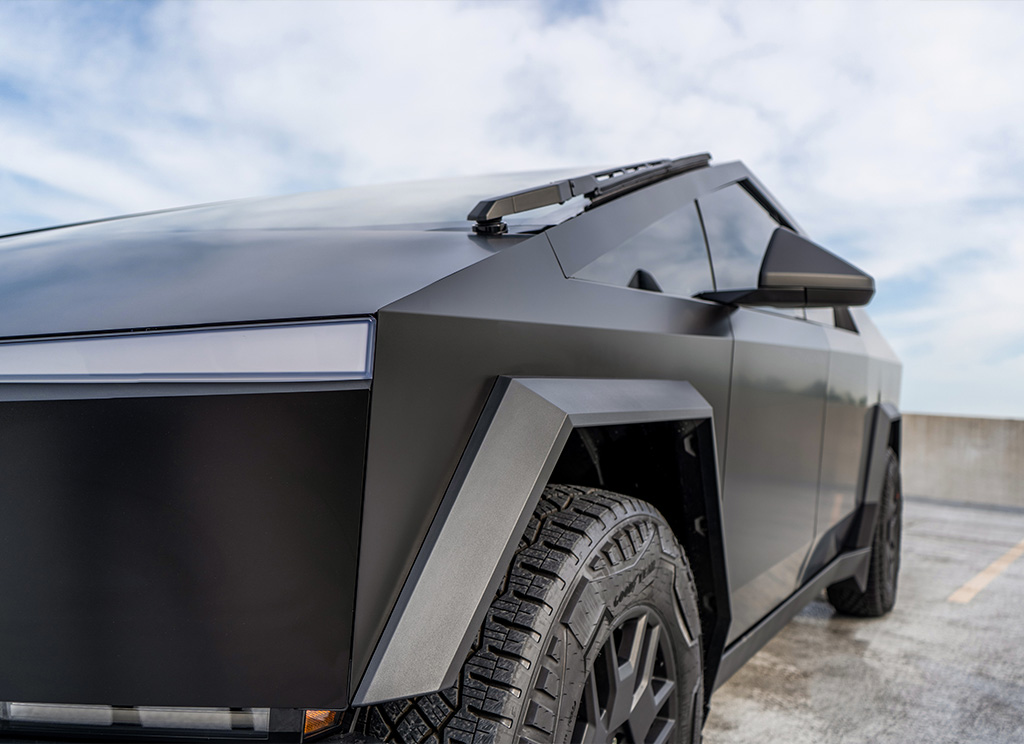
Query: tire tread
x=485, y=701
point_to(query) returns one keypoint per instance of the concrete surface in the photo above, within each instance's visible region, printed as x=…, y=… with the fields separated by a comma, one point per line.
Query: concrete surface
x=953, y=458
x=931, y=671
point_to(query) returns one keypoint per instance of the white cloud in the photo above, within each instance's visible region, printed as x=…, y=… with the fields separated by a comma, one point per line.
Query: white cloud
x=891, y=130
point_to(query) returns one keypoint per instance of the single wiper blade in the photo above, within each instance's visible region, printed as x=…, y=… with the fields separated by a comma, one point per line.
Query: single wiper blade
x=598, y=187
x=657, y=171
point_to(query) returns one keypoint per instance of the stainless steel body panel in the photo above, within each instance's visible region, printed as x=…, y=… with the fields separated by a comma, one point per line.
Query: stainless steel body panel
x=848, y=419
x=97, y=278
x=438, y=353
x=884, y=369
x=455, y=312
x=773, y=449
x=516, y=313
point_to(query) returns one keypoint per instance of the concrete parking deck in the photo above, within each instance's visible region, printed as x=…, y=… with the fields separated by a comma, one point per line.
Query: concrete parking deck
x=933, y=670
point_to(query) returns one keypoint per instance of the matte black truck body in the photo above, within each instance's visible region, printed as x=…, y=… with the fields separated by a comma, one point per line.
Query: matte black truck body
x=248, y=541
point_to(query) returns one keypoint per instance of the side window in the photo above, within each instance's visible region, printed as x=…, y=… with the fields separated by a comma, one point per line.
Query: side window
x=738, y=230
x=671, y=250
x=822, y=315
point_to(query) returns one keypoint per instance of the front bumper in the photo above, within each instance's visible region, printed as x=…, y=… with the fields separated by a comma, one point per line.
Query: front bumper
x=39, y=724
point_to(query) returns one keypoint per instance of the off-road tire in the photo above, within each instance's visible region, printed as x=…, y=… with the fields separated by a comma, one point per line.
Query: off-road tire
x=883, y=573
x=593, y=571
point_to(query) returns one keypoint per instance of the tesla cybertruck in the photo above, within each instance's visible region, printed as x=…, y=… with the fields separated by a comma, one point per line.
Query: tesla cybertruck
x=354, y=467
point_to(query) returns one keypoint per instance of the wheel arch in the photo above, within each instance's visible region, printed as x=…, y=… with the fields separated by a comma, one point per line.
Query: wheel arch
x=672, y=466
x=896, y=434
x=517, y=445
x=886, y=434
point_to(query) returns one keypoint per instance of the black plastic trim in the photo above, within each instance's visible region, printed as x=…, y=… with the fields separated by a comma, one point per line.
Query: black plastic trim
x=511, y=453
x=886, y=417
x=844, y=566
x=797, y=272
x=598, y=187
x=791, y=297
x=117, y=390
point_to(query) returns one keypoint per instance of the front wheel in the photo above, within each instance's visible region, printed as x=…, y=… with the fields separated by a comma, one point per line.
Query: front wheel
x=594, y=636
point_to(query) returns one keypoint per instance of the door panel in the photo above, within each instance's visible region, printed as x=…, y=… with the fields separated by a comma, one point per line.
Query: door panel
x=844, y=445
x=776, y=415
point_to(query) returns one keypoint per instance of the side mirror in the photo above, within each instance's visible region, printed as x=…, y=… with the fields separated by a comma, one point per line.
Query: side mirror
x=798, y=273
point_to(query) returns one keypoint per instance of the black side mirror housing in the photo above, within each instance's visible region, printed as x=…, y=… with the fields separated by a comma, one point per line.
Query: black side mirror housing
x=644, y=280
x=797, y=272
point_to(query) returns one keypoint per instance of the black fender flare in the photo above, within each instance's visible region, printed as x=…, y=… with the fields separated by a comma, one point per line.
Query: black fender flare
x=475, y=531
x=885, y=433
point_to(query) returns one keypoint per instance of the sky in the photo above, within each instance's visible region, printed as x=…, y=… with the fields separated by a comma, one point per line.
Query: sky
x=892, y=131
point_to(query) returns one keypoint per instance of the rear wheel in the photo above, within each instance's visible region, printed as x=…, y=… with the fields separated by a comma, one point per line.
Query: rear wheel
x=880, y=595
x=594, y=636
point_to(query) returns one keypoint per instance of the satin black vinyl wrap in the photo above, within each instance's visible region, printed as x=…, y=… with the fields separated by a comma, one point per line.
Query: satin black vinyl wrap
x=180, y=548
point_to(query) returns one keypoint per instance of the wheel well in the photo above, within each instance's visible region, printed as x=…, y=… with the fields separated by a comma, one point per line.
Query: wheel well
x=896, y=436
x=671, y=466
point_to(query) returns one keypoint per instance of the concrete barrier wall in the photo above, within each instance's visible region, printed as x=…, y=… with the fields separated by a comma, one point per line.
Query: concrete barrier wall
x=953, y=458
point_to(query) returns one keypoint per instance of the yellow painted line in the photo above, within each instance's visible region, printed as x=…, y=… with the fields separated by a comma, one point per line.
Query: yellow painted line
x=967, y=592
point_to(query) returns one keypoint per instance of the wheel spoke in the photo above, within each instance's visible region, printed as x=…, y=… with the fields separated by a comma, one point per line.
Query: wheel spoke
x=664, y=734
x=627, y=662
x=613, y=686
x=650, y=656
x=894, y=551
x=593, y=700
x=892, y=540
x=633, y=644
x=590, y=726
x=590, y=733
x=651, y=695
x=593, y=733
x=642, y=716
x=662, y=693
x=630, y=691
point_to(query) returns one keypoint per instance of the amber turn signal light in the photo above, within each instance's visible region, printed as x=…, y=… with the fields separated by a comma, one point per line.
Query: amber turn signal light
x=319, y=720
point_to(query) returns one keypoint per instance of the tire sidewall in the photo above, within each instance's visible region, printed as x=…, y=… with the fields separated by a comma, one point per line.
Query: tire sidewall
x=892, y=510
x=655, y=578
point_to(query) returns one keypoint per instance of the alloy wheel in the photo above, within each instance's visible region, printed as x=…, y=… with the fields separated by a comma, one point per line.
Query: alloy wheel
x=628, y=697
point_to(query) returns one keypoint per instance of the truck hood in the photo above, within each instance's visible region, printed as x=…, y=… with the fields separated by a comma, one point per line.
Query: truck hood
x=331, y=253
x=167, y=270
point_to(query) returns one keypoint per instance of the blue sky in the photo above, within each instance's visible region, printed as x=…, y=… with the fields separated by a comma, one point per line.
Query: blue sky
x=892, y=131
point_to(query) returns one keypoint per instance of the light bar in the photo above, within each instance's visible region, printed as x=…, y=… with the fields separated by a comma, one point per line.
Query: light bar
x=333, y=350
x=239, y=720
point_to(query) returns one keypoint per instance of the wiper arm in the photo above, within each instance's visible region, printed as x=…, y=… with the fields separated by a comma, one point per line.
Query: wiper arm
x=598, y=187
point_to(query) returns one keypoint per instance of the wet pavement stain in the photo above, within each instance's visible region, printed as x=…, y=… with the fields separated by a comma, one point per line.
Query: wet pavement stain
x=929, y=672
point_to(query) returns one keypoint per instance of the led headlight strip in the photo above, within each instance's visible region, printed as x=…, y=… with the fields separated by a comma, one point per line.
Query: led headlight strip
x=240, y=721
x=329, y=350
